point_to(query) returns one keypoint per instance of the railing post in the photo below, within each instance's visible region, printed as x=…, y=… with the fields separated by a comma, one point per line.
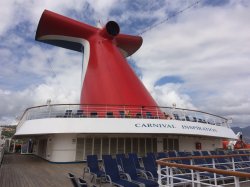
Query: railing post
x=233, y=163
x=192, y=173
x=198, y=179
x=172, y=177
x=157, y=113
x=167, y=175
x=236, y=182
x=215, y=180
x=159, y=174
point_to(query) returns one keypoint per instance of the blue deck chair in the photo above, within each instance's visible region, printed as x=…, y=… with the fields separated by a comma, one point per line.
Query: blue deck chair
x=152, y=155
x=149, y=167
x=184, y=154
x=93, y=168
x=173, y=154
x=149, y=115
x=239, y=160
x=187, y=162
x=73, y=179
x=197, y=153
x=162, y=155
x=110, y=115
x=151, y=170
x=106, y=157
x=195, y=161
x=122, y=114
x=68, y=113
x=244, y=158
x=129, y=168
x=79, y=114
x=119, y=158
x=136, y=160
x=113, y=175
x=200, y=161
x=208, y=160
x=221, y=163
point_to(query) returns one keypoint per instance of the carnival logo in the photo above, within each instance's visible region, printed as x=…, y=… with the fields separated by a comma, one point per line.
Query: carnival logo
x=155, y=125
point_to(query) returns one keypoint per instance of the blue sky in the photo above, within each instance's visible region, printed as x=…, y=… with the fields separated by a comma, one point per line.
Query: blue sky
x=199, y=59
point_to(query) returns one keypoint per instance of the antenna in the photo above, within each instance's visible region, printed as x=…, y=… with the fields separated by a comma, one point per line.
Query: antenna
x=169, y=17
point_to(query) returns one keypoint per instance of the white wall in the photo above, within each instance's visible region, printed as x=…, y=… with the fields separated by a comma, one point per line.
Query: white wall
x=188, y=143
x=61, y=148
x=159, y=144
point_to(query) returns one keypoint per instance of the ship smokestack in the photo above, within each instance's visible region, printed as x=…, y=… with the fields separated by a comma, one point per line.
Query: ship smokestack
x=110, y=30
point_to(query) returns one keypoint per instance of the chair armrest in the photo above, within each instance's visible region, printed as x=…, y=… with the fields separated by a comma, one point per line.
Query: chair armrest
x=108, y=179
x=143, y=174
x=126, y=176
x=149, y=174
x=81, y=181
x=86, y=170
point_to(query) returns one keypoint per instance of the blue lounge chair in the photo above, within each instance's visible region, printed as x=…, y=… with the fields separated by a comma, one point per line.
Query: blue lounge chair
x=119, y=158
x=93, y=168
x=149, y=167
x=113, y=175
x=136, y=160
x=129, y=168
x=162, y=155
x=106, y=157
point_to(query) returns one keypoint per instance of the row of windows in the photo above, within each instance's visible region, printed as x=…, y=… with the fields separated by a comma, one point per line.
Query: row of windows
x=113, y=146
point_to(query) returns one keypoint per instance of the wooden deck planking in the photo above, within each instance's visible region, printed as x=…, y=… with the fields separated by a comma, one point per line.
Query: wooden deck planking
x=31, y=171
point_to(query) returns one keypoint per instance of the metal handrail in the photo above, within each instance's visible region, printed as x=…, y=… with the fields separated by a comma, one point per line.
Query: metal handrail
x=158, y=112
x=169, y=166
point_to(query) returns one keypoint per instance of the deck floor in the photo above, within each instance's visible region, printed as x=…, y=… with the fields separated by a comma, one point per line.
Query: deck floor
x=31, y=171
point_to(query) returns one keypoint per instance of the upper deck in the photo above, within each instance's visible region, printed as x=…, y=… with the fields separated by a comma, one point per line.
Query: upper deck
x=74, y=118
x=121, y=111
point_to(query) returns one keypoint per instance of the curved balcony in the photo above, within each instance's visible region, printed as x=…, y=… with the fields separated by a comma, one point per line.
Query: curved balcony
x=120, y=111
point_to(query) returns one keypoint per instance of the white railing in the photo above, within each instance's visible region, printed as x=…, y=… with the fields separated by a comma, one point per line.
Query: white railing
x=201, y=175
x=120, y=111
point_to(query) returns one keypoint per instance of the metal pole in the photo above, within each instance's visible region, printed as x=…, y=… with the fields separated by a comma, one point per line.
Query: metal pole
x=172, y=179
x=215, y=180
x=198, y=179
x=159, y=174
x=236, y=182
x=192, y=173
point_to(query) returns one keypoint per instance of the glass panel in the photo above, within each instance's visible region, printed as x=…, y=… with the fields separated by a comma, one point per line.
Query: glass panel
x=105, y=146
x=170, y=144
x=120, y=145
x=88, y=146
x=149, y=147
x=113, y=146
x=176, y=144
x=79, y=149
x=154, y=140
x=135, y=145
x=142, y=147
x=97, y=147
x=165, y=144
x=128, y=145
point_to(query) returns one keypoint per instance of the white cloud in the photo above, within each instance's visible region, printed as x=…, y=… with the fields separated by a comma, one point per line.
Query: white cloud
x=208, y=47
x=210, y=52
